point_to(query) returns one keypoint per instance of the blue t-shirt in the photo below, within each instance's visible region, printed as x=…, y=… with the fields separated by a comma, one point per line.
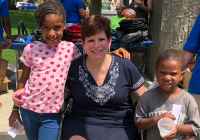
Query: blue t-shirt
x=71, y=8
x=4, y=11
x=193, y=44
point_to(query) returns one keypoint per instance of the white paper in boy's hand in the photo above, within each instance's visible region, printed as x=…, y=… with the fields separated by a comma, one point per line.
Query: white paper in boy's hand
x=176, y=110
x=13, y=132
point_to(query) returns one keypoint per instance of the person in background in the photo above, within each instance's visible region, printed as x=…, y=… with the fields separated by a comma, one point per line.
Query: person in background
x=6, y=25
x=74, y=11
x=191, y=49
x=158, y=102
x=102, y=107
x=142, y=8
x=114, y=23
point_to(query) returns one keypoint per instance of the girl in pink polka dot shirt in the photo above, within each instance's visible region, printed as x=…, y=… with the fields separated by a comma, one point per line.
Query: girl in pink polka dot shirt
x=46, y=65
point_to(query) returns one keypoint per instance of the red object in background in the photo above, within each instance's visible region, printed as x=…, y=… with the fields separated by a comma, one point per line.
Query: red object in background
x=74, y=32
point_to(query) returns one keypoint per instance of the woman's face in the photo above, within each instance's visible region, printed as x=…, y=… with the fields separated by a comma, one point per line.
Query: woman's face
x=97, y=46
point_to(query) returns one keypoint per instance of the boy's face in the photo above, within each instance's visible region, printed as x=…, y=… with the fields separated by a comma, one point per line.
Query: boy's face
x=168, y=74
x=119, y=11
x=52, y=29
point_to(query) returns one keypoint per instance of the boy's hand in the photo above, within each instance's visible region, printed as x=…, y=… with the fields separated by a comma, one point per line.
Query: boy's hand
x=168, y=115
x=121, y=52
x=16, y=98
x=171, y=135
x=13, y=117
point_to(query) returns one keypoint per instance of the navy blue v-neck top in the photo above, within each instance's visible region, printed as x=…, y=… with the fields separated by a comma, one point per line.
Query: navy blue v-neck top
x=108, y=105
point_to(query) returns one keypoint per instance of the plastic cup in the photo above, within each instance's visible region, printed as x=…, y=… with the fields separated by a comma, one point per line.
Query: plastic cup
x=166, y=126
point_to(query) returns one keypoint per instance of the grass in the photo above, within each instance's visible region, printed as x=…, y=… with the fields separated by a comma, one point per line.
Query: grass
x=27, y=17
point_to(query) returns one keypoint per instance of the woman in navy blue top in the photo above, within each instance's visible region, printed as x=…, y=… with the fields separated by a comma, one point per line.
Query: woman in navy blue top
x=100, y=85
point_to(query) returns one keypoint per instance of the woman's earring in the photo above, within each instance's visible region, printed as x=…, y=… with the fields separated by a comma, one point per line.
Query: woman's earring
x=84, y=52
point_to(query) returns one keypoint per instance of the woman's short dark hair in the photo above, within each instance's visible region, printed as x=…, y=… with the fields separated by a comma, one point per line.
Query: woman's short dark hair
x=94, y=24
x=49, y=7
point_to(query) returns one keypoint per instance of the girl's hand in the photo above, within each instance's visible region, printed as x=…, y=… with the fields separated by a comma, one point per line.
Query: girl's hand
x=171, y=135
x=121, y=52
x=13, y=117
x=17, y=96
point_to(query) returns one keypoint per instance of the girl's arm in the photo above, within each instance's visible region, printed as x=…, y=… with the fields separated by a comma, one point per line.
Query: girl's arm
x=16, y=97
x=121, y=52
x=24, y=77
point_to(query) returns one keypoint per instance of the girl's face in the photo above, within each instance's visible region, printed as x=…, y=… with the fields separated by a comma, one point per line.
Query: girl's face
x=97, y=46
x=52, y=29
x=168, y=74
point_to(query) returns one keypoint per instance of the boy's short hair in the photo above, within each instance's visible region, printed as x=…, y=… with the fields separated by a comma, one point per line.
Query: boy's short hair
x=171, y=54
x=49, y=7
x=93, y=25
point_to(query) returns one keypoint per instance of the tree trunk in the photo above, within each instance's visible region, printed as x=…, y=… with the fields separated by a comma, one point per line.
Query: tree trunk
x=11, y=4
x=95, y=7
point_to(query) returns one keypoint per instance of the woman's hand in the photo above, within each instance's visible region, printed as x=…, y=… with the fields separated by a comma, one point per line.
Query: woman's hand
x=17, y=96
x=121, y=52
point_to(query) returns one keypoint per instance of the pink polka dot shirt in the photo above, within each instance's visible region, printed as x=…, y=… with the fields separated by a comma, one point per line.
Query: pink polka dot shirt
x=44, y=89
